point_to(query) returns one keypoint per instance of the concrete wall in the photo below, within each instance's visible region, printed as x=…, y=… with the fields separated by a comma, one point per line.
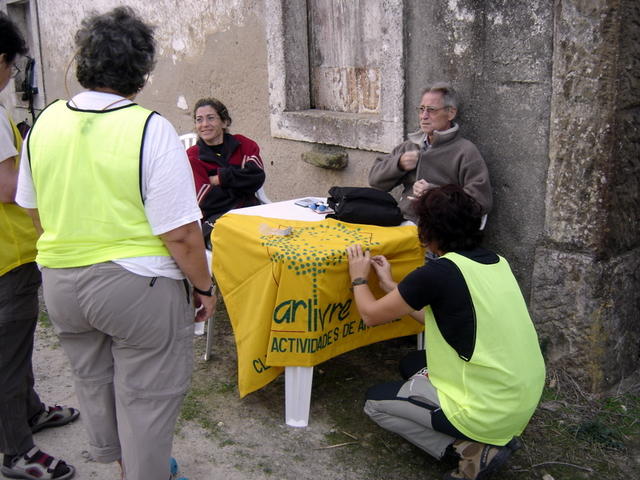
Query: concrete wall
x=549, y=94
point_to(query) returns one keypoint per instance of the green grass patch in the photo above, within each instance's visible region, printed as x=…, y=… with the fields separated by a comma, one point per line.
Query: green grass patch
x=43, y=318
x=573, y=435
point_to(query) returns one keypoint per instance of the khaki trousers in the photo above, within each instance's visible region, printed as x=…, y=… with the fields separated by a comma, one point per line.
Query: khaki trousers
x=129, y=341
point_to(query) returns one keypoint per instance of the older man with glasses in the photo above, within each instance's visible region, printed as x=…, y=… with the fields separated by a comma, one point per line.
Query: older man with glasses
x=433, y=156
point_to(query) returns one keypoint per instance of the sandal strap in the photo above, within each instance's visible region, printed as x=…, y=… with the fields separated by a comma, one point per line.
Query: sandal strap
x=31, y=453
x=38, y=465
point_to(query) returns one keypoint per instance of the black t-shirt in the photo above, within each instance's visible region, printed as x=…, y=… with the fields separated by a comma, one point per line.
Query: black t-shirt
x=440, y=284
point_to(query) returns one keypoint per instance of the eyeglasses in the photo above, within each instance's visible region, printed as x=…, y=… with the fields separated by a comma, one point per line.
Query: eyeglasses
x=430, y=110
x=16, y=70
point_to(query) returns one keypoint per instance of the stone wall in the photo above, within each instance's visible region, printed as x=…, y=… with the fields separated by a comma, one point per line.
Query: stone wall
x=497, y=54
x=587, y=269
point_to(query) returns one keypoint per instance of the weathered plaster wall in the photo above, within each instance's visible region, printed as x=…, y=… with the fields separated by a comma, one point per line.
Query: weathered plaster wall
x=199, y=44
x=215, y=48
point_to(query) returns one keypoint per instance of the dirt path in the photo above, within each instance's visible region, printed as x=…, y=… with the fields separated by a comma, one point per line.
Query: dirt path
x=219, y=435
x=223, y=437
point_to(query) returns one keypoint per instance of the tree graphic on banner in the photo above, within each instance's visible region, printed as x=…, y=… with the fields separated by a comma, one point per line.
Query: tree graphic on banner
x=311, y=250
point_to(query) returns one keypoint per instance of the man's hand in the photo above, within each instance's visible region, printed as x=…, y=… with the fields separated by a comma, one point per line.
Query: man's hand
x=420, y=188
x=408, y=161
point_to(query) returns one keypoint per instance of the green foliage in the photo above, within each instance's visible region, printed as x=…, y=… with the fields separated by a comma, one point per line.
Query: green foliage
x=43, y=318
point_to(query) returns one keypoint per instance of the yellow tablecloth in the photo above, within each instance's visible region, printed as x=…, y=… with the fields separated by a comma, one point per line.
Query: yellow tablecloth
x=288, y=296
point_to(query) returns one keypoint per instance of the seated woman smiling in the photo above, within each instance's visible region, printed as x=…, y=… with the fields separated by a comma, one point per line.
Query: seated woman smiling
x=227, y=169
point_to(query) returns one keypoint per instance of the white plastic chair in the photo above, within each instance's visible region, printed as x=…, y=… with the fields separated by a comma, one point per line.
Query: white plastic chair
x=483, y=221
x=188, y=140
x=209, y=342
x=262, y=196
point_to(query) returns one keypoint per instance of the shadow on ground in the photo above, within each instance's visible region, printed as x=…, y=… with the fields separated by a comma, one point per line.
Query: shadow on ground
x=572, y=436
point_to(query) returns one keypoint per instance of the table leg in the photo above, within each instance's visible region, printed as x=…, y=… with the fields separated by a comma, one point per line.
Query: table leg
x=207, y=349
x=297, y=388
x=420, y=341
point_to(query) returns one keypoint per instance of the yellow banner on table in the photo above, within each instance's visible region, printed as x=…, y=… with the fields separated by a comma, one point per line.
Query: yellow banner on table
x=286, y=287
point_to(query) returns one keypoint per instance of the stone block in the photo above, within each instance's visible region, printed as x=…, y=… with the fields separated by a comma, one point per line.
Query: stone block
x=586, y=314
x=330, y=161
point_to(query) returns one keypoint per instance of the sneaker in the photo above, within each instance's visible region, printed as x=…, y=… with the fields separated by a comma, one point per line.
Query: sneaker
x=37, y=465
x=55, y=416
x=479, y=461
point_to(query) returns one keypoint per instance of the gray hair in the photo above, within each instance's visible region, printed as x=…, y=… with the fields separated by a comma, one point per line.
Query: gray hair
x=116, y=50
x=449, y=96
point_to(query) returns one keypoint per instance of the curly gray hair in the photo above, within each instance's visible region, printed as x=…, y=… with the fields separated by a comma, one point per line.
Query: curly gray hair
x=116, y=50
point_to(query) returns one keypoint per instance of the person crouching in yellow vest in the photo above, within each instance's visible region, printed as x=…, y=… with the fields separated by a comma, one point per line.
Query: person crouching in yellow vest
x=474, y=390
x=111, y=186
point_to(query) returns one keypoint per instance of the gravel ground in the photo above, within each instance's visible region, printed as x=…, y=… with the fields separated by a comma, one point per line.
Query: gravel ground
x=220, y=436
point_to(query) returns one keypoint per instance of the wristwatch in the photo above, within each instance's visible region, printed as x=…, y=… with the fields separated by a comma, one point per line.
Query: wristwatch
x=206, y=293
x=358, y=281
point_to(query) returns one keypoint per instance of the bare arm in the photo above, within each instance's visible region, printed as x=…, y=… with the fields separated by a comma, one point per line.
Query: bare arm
x=375, y=311
x=186, y=246
x=35, y=217
x=381, y=311
x=8, y=180
x=385, y=281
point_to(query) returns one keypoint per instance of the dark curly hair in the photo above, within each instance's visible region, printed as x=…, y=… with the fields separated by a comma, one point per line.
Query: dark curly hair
x=116, y=50
x=449, y=217
x=11, y=40
x=217, y=105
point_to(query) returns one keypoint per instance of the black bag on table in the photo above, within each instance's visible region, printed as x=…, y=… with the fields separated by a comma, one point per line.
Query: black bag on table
x=364, y=205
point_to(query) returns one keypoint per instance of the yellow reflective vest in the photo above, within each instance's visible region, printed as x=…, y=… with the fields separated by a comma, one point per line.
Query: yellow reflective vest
x=491, y=397
x=86, y=168
x=17, y=234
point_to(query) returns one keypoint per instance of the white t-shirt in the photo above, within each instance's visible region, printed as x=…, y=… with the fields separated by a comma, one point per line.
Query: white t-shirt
x=167, y=184
x=7, y=148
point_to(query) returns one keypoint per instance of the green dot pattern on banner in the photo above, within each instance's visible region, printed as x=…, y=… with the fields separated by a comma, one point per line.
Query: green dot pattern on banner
x=306, y=250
